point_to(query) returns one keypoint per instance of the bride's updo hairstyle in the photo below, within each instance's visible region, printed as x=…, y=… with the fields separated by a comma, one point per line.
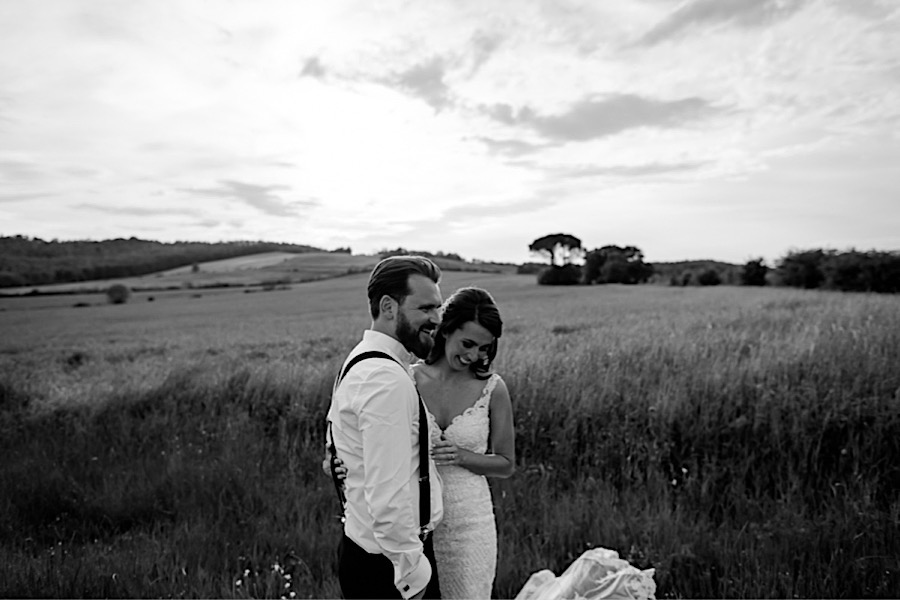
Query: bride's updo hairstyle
x=468, y=304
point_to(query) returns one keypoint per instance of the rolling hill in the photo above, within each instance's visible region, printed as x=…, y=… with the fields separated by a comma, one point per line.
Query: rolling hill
x=266, y=269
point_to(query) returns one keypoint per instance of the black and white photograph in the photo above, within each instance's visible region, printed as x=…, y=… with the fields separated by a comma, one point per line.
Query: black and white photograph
x=538, y=300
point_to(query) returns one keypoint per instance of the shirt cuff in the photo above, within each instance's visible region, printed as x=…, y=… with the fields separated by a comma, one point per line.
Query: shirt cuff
x=416, y=581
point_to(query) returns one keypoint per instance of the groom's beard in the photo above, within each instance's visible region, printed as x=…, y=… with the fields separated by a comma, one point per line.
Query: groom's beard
x=417, y=341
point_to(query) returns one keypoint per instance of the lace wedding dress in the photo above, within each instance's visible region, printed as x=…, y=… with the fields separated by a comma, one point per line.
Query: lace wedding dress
x=465, y=543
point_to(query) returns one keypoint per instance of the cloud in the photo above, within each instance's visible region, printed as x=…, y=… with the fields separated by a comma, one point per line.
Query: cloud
x=592, y=119
x=19, y=170
x=743, y=13
x=282, y=164
x=31, y=173
x=314, y=68
x=138, y=211
x=260, y=197
x=503, y=113
x=426, y=81
x=631, y=170
x=483, y=47
x=83, y=172
x=510, y=147
x=456, y=220
x=14, y=197
x=209, y=223
x=149, y=225
x=476, y=212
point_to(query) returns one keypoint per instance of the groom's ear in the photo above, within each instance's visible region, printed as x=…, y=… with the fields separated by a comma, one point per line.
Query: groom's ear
x=388, y=307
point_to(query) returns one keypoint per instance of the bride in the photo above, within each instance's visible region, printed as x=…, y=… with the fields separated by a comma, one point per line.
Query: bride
x=473, y=438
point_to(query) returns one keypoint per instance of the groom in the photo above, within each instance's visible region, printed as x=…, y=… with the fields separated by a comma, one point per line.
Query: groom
x=379, y=432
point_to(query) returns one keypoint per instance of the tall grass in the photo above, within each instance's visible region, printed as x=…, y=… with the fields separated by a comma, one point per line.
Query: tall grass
x=177, y=490
x=745, y=443
x=746, y=447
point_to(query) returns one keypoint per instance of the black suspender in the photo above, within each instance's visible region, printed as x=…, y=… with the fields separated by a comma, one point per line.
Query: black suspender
x=424, y=475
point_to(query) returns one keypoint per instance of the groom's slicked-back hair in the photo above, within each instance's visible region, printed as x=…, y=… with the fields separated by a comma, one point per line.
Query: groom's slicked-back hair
x=390, y=277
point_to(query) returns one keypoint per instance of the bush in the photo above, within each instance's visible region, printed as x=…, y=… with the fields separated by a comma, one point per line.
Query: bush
x=11, y=279
x=530, y=268
x=801, y=269
x=118, y=294
x=564, y=275
x=613, y=264
x=754, y=273
x=862, y=271
x=709, y=277
x=851, y=271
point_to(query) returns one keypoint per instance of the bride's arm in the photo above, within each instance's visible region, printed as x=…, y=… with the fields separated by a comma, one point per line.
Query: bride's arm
x=502, y=463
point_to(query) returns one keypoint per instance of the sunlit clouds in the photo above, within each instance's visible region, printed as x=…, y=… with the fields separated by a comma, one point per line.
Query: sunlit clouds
x=724, y=129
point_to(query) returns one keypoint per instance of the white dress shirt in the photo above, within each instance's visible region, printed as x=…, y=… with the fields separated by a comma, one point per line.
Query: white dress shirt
x=374, y=416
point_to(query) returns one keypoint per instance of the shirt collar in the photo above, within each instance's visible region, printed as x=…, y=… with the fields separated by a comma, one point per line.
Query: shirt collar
x=390, y=345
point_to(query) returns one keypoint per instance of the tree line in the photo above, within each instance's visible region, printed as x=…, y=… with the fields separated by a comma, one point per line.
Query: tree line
x=571, y=263
x=401, y=251
x=28, y=261
x=853, y=270
x=32, y=261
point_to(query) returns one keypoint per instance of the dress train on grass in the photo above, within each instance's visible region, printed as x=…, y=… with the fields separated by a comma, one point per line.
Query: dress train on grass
x=597, y=574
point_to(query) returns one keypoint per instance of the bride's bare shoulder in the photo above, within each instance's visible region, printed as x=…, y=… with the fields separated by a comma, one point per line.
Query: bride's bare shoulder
x=423, y=372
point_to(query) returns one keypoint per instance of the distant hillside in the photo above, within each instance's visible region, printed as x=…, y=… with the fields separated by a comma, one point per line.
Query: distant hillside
x=450, y=261
x=33, y=266
x=33, y=261
x=687, y=272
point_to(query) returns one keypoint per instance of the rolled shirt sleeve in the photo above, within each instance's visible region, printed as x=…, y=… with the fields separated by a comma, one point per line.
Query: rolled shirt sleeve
x=385, y=424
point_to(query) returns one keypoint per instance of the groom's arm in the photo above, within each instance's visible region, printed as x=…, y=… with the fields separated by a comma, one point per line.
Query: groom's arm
x=386, y=426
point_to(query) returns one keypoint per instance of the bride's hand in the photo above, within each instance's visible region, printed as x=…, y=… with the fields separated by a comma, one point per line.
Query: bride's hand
x=445, y=452
x=340, y=470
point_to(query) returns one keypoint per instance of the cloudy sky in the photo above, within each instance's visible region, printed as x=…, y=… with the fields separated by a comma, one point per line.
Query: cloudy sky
x=722, y=129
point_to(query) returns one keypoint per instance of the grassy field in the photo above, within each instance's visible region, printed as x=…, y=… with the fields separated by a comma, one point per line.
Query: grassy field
x=743, y=442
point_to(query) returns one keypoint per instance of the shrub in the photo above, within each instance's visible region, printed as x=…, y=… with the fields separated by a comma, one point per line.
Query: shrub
x=564, y=275
x=530, y=268
x=862, y=271
x=11, y=279
x=118, y=294
x=801, y=269
x=613, y=264
x=709, y=277
x=754, y=272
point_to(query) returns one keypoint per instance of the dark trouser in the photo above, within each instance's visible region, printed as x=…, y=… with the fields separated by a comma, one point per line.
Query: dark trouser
x=364, y=575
